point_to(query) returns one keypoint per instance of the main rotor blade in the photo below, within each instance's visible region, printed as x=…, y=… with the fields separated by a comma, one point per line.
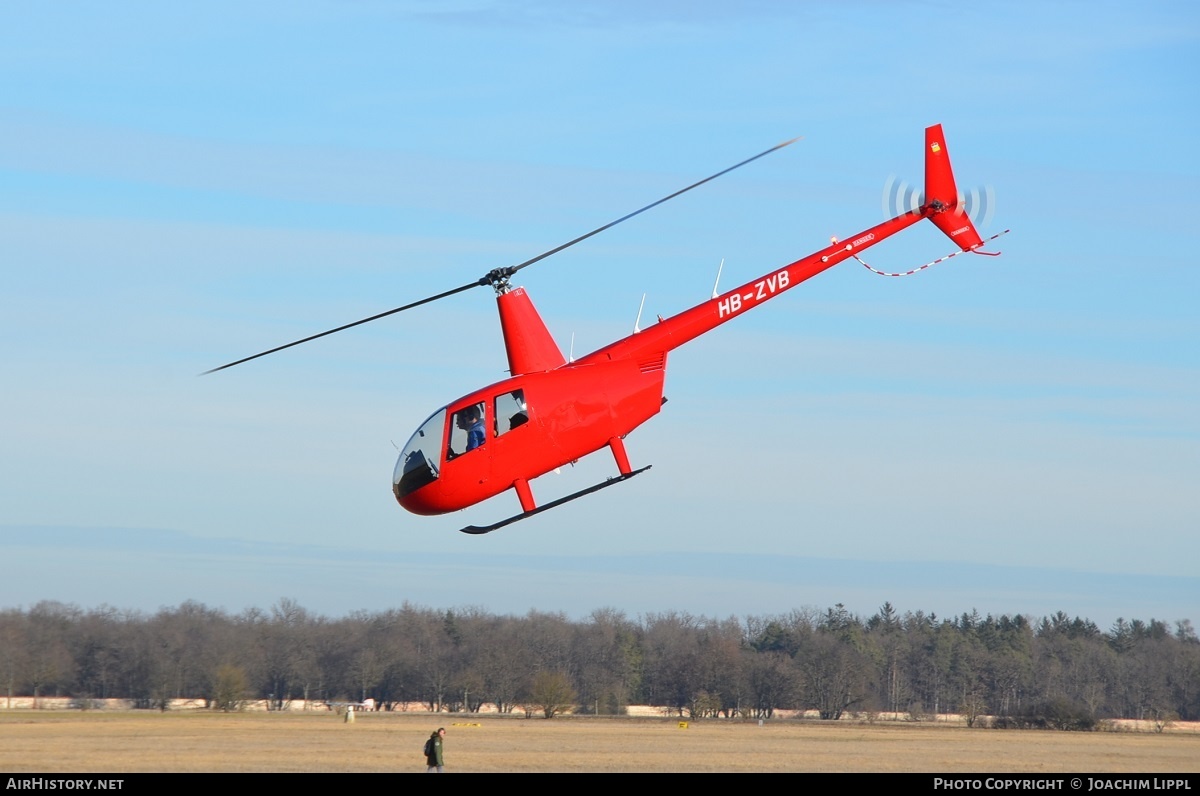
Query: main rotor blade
x=598, y=230
x=351, y=325
x=499, y=275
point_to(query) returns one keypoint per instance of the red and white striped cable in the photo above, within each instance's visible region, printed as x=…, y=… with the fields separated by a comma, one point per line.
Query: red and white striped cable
x=935, y=262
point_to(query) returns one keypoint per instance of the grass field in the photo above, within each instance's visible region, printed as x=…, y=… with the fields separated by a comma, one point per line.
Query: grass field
x=131, y=742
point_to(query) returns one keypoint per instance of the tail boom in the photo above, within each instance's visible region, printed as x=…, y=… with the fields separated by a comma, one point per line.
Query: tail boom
x=942, y=207
x=673, y=332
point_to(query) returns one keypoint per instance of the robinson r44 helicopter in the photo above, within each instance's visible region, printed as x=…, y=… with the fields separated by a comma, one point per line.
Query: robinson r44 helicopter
x=551, y=412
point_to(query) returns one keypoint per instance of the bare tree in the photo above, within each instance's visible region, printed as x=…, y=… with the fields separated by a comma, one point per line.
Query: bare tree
x=229, y=688
x=552, y=693
x=836, y=666
x=13, y=650
x=48, y=653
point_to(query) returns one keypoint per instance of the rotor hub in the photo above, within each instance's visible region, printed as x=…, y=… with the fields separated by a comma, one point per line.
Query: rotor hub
x=498, y=278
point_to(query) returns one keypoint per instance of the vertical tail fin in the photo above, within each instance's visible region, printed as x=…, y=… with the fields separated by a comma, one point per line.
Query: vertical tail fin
x=942, y=204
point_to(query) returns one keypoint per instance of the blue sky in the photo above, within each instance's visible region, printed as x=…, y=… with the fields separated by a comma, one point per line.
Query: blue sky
x=185, y=184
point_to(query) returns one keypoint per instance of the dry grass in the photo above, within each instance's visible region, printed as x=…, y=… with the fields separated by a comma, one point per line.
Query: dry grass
x=129, y=742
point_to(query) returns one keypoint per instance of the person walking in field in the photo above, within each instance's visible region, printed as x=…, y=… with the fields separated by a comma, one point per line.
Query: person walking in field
x=433, y=753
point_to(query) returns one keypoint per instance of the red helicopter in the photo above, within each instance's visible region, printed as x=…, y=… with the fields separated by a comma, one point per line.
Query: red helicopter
x=552, y=412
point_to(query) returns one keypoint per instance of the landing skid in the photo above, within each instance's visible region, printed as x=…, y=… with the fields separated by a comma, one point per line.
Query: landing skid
x=479, y=529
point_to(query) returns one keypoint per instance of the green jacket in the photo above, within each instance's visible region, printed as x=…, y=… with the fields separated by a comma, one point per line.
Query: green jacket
x=435, y=756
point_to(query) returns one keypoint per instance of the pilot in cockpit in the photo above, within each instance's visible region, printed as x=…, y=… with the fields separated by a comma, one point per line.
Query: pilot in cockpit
x=470, y=420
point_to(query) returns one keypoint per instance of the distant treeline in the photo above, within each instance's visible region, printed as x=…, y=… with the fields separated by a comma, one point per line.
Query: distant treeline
x=831, y=661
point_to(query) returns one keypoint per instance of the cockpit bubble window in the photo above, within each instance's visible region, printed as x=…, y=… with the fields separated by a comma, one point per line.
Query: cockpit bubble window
x=466, y=430
x=418, y=462
x=511, y=411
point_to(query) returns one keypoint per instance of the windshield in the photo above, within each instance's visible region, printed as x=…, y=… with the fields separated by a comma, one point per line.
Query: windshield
x=418, y=462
